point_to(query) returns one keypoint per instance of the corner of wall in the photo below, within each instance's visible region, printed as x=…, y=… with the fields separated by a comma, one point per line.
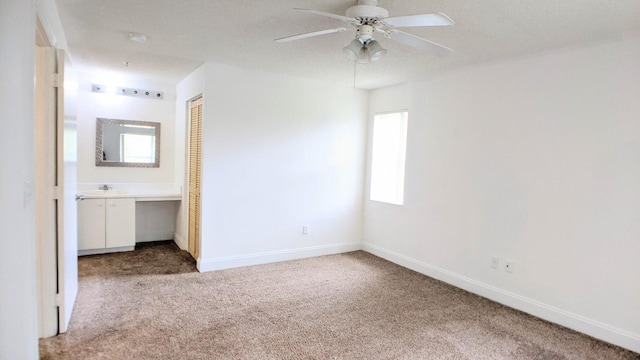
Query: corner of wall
x=180, y=240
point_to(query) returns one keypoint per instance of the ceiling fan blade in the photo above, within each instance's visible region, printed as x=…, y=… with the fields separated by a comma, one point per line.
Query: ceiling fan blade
x=310, y=34
x=438, y=19
x=326, y=14
x=418, y=42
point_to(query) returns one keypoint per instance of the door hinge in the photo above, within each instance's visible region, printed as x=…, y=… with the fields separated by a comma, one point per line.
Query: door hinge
x=59, y=299
x=55, y=192
x=55, y=80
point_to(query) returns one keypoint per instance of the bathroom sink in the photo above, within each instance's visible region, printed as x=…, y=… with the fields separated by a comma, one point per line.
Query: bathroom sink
x=103, y=192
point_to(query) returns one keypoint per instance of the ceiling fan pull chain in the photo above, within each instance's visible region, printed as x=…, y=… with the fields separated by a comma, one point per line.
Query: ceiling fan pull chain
x=355, y=63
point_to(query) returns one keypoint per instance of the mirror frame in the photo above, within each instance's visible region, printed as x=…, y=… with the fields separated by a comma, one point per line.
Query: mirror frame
x=102, y=121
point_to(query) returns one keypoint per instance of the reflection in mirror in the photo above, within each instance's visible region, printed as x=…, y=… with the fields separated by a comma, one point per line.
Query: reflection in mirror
x=127, y=143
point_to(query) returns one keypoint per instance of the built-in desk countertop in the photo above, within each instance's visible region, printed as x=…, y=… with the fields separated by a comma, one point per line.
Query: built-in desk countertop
x=138, y=196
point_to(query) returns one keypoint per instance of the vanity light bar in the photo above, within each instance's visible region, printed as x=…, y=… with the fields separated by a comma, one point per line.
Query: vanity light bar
x=149, y=94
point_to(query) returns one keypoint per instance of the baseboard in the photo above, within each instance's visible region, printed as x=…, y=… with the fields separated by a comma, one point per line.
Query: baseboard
x=170, y=238
x=158, y=236
x=275, y=256
x=547, y=312
x=181, y=241
x=105, y=250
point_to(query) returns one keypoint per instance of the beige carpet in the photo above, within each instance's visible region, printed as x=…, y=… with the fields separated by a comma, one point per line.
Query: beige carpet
x=151, y=304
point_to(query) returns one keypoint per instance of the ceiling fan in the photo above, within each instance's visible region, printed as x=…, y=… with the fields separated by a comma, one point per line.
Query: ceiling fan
x=367, y=18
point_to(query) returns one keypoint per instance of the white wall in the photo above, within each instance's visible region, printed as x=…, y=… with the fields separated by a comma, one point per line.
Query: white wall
x=536, y=161
x=191, y=87
x=279, y=153
x=18, y=307
x=155, y=220
x=99, y=105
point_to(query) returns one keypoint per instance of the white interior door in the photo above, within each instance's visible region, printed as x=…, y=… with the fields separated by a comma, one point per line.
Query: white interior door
x=55, y=185
x=67, y=161
x=45, y=184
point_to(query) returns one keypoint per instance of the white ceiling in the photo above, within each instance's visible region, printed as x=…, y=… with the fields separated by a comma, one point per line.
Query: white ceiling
x=182, y=34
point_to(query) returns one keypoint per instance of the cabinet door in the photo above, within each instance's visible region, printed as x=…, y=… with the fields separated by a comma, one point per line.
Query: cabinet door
x=91, y=224
x=121, y=222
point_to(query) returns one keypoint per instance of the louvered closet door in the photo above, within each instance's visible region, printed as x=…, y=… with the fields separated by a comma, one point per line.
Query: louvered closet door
x=195, y=174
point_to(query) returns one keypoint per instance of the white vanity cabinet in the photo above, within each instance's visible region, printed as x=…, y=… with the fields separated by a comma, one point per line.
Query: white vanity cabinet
x=106, y=224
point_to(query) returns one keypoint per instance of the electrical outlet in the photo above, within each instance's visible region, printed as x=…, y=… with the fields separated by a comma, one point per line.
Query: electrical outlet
x=508, y=266
x=305, y=229
x=495, y=262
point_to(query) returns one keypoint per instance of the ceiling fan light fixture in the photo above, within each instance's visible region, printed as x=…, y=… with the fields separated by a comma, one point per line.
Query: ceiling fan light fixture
x=375, y=50
x=353, y=50
x=363, y=58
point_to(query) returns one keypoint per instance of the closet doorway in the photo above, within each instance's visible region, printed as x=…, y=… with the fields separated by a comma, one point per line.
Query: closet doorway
x=195, y=175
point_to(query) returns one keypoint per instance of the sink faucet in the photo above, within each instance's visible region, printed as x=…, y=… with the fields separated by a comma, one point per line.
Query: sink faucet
x=105, y=187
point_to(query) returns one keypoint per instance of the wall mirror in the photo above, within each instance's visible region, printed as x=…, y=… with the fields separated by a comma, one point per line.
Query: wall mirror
x=127, y=143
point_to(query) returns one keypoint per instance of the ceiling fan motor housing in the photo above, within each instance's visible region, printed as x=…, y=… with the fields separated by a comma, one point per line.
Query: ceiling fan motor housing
x=368, y=2
x=368, y=14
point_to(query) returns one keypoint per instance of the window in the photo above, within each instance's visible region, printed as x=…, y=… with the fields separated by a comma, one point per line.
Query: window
x=138, y=148
x=388, y=157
